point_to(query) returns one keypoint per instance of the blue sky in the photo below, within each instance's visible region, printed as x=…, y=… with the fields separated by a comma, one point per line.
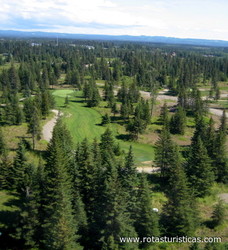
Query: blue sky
x=207, y=19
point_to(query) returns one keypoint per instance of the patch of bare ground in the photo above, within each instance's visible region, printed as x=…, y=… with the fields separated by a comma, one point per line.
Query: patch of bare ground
x=181, y=142
x=48, y=127
x=224, y=197
x=217, y=112
x=149, y=138
x=61, y=86
x=148, y=170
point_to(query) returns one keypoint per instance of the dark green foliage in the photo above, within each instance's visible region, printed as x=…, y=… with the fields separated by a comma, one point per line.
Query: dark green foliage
x=135, y=127
x=179, y=213
x=114, y=109
x=94, y=97
x=164, y=116
x=6, y=173
x=30, y=221
x=14, y=78
x=19, y=168
x=223, y=126
x=109, y=94
x=125, y=110
x=219, y=214
x=66, y=102
x=34, y=125
x=105, y=119
x=3, y=147
x=147, y=220
x=199, y=169
x=59, y=222
x=178, y=122
x=129, y=180
x=45, y=104
x=73, y=78
x=164, y=155
x=28, y=108
x=210, y=139
x=115, y=219
x=107, y=144
x=13, y=113
x=220, y=159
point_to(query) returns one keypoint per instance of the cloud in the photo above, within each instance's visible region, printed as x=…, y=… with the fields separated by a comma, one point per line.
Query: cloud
x=178, y=18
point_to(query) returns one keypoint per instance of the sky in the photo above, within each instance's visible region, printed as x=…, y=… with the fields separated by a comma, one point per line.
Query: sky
x=205, y=19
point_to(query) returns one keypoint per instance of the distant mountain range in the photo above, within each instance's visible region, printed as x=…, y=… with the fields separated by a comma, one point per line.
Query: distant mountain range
x=152, y=39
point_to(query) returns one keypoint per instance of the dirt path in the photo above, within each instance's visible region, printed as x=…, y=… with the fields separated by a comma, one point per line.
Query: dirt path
x=163, y=96
x=148, y=170
x=224, y=197
x=217, y=112
x=48, y=127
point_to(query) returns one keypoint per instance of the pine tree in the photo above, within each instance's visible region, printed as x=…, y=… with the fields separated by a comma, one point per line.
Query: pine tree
x=59, y=225
x=199, y=169
x=105, y=119
x=128, y=178
x=146, y=220
x=29, y=228
x=178, y=122
x=19, y=167
x=115, y=219
x=164, y=154
x=107, y=144
x=223, y=126
x=114, y=109
x=135, y=126
x=45, y=105
x=6, y=173
x=79, y=211
x=3, y=148
x=179, y=213
x=34, y=126
x=219, y=214
x=164, y=116
x=14, y=78
x=220, y=159
x=66, y=102
x=210, y=144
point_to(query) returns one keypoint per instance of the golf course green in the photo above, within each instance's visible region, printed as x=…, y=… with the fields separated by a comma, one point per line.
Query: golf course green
x=84, y=122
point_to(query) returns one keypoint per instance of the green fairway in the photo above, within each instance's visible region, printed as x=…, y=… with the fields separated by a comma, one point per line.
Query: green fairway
x=85, y=122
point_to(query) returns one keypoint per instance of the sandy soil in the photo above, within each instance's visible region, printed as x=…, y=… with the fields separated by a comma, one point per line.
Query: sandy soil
x=147, y=170
x=48, y=127
x=224, y=197
x=217, y=112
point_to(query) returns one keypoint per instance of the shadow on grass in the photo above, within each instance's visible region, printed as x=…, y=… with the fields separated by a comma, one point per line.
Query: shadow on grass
x=77, y=101
x=119, y=120
x=124, y=137
x=209, y=224
x=155, y=181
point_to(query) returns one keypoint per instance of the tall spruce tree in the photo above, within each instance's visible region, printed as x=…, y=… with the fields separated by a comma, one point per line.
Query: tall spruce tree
x=59, y=225
x=29, y=228
x=178, y=122
x=164, y=154
x=220, y=157
x=3, y=148
x=19, y=167
x=116, y=219
x=179, y=213
x=34, y=126
x=146, y=220
x=199, y=169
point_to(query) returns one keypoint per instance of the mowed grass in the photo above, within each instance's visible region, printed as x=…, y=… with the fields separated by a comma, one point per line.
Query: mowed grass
x=86, y=122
